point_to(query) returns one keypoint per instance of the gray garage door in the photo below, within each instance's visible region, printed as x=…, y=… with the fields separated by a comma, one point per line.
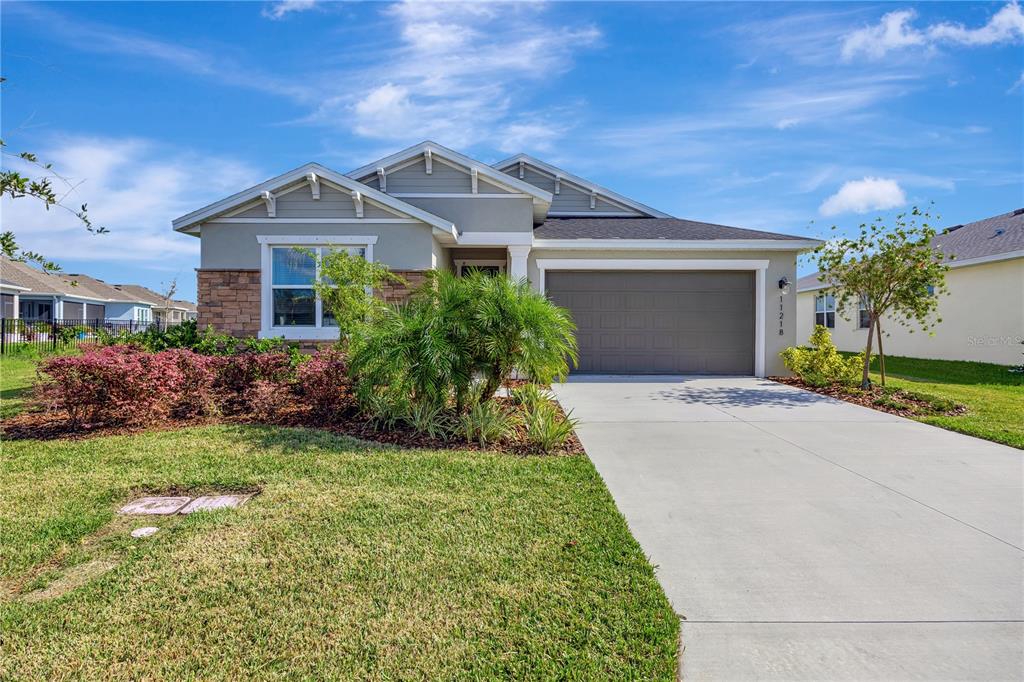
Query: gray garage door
x=660, y=322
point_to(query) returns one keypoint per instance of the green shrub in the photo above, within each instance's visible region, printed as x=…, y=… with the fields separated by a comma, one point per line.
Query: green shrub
x=487, y=422
x=430, y=420
x=529, y=396
x=821, y=364
x=453, y=329
x=547, y=428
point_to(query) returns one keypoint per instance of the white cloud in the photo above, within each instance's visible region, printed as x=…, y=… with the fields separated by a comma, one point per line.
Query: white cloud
x=134, y=188
x=894, y=32
x=861, y=196
x=1017, y=85
x=278, y=10
x=456, y=73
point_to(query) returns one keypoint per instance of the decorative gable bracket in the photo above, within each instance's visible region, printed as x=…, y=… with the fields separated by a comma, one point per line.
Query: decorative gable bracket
x=428, y=159
x=314, y=185
x=382, y=178
x=558, y=184
x=474, y=177
x=593, y=199
x=357, y=199
x=271, y=201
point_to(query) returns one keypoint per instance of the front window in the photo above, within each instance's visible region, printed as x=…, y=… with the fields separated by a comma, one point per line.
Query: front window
x=293, y=273
x=825, y=310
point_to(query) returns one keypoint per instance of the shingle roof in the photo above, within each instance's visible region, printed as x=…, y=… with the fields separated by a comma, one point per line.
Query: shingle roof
x=100, y=288
x=24, y=275
x=646, y=228
x=987, y=237
x=1001, y=234
x=152, y=297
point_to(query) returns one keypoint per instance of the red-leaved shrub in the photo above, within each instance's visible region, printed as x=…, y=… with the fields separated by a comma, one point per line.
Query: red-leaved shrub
x=264, y=399
x=196, y=375
x=322, y=380
x=238, y=374
x=115, y=384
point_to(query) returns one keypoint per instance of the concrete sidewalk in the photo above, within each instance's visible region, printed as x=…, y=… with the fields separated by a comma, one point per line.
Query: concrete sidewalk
x=802, y=537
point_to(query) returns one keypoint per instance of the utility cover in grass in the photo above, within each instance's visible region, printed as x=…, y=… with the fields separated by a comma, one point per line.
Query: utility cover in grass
x=144, y=532
x=155, y=505
x=211, y=502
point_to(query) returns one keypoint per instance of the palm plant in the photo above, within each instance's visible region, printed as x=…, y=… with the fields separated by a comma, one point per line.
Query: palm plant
x=512, y=327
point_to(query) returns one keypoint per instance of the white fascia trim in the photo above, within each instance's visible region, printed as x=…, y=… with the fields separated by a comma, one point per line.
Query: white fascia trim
x=442, y=153
x=1009, y=255
x=316, y=221
x=309, y=240
x=445, y=227
x=680, y=244
x=577, y=180
x=594, y=214
x=759, y=267
x=496, y=239
x=458, y=195
x=14, y=287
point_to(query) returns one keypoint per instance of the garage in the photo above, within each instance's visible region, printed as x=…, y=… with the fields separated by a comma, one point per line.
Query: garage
x=662, y=322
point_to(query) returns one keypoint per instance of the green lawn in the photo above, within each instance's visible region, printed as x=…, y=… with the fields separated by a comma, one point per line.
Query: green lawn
x=994, y=396
x=16, y=376
x=355, y=562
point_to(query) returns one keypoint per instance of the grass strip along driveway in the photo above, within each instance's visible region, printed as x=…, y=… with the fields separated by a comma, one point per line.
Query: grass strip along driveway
x=994, y=396
x=353, y=562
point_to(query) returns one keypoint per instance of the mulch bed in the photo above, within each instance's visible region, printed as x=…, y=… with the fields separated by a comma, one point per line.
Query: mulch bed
x=884, y=399
x=42, y=425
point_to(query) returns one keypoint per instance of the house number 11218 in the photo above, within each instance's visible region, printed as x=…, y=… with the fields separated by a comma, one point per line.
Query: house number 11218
x=781, y=316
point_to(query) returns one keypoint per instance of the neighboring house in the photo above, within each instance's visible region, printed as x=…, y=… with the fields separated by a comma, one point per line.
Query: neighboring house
x=10, y=299
x=166, y=312
x=67, y=297
x=982, y=317
x=649, y=293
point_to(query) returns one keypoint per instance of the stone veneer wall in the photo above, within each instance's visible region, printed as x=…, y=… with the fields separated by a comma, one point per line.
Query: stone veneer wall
x=397, y=292
x=230, y=301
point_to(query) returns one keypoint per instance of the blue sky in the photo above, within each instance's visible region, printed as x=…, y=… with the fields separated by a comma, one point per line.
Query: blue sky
x=787, y=117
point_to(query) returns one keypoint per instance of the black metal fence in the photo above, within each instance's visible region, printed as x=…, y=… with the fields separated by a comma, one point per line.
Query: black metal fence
x=51, y=336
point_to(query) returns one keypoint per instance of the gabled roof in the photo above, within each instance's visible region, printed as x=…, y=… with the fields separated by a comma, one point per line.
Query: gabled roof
x=188, y=222
x=580, y=182
x=1000, y=237
x=489, y=172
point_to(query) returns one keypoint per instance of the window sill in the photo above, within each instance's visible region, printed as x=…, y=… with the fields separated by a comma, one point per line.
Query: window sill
x=301, y=333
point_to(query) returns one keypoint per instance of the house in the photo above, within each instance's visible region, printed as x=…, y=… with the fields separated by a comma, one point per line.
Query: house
x=65, y=297
x=650, y=293
x=982, y=317
x=165, y=311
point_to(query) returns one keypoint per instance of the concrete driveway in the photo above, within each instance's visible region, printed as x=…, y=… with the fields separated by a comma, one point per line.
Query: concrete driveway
x=801, y=537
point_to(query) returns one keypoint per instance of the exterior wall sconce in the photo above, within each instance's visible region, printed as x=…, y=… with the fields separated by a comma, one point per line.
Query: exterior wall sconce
x=784, y=285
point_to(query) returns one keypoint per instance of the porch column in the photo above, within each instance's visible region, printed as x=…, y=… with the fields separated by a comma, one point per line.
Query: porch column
x=517, y=256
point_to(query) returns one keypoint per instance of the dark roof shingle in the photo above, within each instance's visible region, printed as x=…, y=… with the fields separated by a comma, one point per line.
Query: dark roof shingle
x=646, y=228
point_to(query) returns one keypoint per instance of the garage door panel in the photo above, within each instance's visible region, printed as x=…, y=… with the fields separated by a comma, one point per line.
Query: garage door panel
x=660, y=322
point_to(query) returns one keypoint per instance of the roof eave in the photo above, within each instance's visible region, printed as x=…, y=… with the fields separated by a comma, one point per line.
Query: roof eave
x=798, y=245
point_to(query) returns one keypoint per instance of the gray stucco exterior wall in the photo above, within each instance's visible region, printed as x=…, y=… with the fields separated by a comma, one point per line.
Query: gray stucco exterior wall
x=402, y=246
x=514, y=214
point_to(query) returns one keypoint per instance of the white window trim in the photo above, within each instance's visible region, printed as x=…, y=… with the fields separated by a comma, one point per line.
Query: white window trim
x=267, y=242
x=759, y=267
x=825, y=309
x=462, y=263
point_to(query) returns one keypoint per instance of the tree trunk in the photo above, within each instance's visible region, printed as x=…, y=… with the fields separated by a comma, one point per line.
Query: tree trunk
x=865, y=379
x=881, y=353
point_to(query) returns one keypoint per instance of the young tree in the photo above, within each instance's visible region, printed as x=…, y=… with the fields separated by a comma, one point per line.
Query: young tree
x=346, y=285
x=892, y=273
